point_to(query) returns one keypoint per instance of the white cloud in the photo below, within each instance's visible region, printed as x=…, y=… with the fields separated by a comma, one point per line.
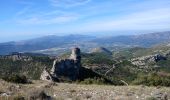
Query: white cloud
x=23, y=11
x=28, y=16
x=109, y=15
x=42, y=21
x=68, y=3
x=155, y=19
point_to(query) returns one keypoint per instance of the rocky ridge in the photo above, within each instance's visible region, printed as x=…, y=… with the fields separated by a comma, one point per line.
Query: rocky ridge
x=17, y=56
x=144, y=61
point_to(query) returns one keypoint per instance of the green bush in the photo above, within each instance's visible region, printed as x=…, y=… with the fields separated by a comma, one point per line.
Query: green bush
x=152, y=79
x=15, y=78
x=97, y=58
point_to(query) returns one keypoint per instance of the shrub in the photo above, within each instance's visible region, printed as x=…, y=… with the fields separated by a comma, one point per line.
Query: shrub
x=19, y=98
x=38, y=94
x=97, y=58
x=15, y=78
x=152, y=79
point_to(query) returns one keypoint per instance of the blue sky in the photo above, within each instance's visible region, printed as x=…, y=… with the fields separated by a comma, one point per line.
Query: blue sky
x=22, y=19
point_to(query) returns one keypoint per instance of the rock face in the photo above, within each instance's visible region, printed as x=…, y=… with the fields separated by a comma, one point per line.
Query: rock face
x=65, y=68
x=159, y=57
x=46, y=76
x=143, y=61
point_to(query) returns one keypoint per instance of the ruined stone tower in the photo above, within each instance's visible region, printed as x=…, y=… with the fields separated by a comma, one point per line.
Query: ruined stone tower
x=75, y=55
x=67, y=68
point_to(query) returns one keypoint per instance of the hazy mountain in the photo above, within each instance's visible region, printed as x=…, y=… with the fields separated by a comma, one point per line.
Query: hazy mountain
x=57, y=44
x=101, y=50
x=41, y=43
x=144, y=40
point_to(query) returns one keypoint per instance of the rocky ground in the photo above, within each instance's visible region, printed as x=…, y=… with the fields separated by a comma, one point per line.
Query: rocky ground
x=65, y=91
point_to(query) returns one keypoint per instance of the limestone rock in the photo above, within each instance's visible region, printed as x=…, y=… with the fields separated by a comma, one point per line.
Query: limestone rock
x=76, y=54
x=46, y=75
x=144, y=60
x=159, y=57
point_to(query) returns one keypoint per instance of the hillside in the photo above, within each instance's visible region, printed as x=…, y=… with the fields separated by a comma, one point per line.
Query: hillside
x=133, y=52
x=65, y=91
x=25, y=64
x=133, y=62
x=101, y=50
x=103, y=76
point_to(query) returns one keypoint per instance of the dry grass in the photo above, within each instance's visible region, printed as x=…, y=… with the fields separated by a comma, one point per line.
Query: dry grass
x=63, y=91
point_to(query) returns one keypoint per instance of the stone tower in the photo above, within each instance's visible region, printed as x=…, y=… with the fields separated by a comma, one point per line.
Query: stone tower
x=75, y=55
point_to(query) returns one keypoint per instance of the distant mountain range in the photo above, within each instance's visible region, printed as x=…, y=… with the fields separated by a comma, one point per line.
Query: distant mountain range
x=143, y=40
x=42, y=43
x=57, y=44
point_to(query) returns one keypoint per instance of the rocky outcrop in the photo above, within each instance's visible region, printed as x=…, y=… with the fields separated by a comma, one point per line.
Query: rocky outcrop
x=65, y=68
x=15, y=56
x=159, y=57
x=46, y=75
x=145, y=60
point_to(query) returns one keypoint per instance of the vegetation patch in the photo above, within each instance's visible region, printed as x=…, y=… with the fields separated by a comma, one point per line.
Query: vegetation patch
x=16, y=78
x=152, y=79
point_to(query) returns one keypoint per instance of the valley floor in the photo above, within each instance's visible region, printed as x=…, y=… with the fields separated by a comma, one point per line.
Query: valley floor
x=65, y=91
